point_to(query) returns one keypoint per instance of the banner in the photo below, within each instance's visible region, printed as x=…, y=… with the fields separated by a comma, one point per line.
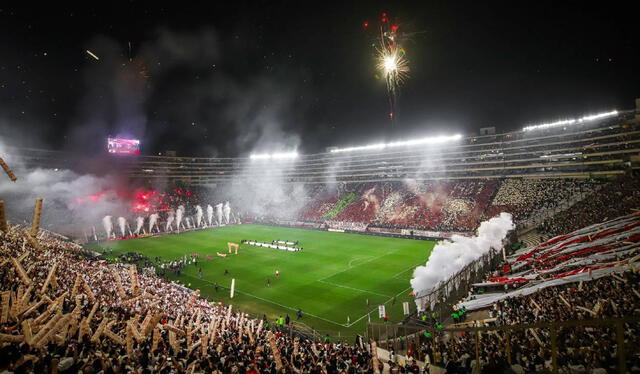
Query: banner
x=381, y=311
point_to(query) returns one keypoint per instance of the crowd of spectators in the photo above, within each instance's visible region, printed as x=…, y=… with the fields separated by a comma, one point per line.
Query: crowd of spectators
x=107, y=318
x=65, y=312
x=583, y=349
x=524, y=198
x=460, y=206
x=431, y=205
x=617, y=198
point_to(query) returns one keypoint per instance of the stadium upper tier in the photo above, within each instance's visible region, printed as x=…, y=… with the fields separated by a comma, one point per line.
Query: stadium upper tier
x=602, y=148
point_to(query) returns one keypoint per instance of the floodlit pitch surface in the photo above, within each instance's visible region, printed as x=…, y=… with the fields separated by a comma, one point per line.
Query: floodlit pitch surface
x=330, y=280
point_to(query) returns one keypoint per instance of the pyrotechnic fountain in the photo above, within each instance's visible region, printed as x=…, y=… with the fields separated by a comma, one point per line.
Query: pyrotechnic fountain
x=170, y=219
x=210, y=215
x=179, y=213
x=219, y=214
x=153, y=219
x=108, y=225
x=122, y=223
x=139, y=223
x=198, y=221
x=227, y=212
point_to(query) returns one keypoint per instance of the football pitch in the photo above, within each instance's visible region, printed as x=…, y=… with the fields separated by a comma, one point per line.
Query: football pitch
x=336, y=280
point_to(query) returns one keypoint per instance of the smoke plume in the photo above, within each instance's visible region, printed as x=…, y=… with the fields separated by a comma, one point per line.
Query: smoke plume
x=139, y=224
x=122, y=222
x=227, y=212
x=170, y=219
x=179, y=213
x=108, y=225
x=447, y=258
x=210, y=215
x=153, y=219
x=219, y=214
x=198, y=222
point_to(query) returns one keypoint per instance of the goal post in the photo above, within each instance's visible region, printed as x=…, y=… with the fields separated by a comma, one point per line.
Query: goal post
x=231, y=245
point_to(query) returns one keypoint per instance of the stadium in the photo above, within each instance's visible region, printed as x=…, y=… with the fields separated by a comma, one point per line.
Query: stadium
x=483, y=251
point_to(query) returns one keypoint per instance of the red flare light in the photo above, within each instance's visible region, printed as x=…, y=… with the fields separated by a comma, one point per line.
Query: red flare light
x=90, y=199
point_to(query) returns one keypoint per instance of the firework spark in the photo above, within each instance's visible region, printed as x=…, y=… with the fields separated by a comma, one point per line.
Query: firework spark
x=93, y=55
x=393, y=66
x=391, y=62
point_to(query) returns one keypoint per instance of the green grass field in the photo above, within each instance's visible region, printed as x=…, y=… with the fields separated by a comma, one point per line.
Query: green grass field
x=330, y=280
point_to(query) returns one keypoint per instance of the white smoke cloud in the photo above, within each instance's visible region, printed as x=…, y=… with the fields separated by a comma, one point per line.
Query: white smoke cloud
x=153, y=219
x=108, y=225
x=210, y=215
x=263, y=190
x=139, y=224
x=447, y=258
x=72, y=202
x=227, y=212
x=219, y=214
x=170, y=219
x=179, y=213
x=198, y=222
x=122, y=222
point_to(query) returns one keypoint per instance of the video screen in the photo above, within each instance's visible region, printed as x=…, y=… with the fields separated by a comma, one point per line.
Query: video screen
x=123, y=146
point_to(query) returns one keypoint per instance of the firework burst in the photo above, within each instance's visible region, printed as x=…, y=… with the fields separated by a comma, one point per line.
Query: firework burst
x=393, y=67
x=391, y=63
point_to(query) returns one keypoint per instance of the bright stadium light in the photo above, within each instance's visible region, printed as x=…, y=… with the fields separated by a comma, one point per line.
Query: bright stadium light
x=274, y=156
x=572, y=121
x=420, y=141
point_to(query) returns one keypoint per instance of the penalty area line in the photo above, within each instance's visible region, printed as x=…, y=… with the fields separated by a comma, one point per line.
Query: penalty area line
x=360, y=264
x=271, y=302
x=353, y=288
x=356, y=259
x=405, y=270
x=385, y=303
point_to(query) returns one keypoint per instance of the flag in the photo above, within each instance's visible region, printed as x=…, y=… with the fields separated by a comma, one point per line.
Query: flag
x=233, y=288
x=381, y=311
x=405, y=308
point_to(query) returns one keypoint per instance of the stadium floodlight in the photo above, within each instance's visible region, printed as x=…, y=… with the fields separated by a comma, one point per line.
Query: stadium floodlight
x=430, y=140
x=274, y=156
x=572, y=121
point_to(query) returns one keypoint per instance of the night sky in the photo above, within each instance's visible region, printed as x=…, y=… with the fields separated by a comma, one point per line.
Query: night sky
x=225, y=78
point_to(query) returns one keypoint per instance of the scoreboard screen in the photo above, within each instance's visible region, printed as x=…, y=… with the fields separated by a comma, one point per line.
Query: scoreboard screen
x=123, y=146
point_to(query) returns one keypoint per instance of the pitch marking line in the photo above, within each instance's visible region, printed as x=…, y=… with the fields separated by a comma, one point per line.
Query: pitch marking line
x=359, y=319
x=352, y=288
x=360, y=264
x=356, y=259
x=405, y=270
x=271, y=302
